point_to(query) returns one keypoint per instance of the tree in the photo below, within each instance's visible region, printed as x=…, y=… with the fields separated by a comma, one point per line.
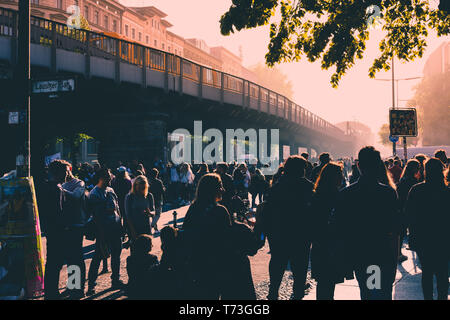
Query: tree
x=432, y=99
x=336, y=32
x=273, y=79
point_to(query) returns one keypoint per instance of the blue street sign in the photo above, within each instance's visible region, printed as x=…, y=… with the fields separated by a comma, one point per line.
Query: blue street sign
x=393, y=139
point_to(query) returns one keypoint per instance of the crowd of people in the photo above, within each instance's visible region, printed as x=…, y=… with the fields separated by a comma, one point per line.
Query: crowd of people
x=341, y=218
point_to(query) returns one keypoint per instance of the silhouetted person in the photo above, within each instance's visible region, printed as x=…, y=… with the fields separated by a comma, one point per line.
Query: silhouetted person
x=121, y=185
x=157, y=189
x=421, y=158
x=287, y=218
x=396, y=171
x=105, y=209
x=139, y=205
x=206, y=229
x=409, y=178
x=309, y=166
x=228, y=185
x=324, y=267
x=441, y=155
x=355, y=174
x=142, y=269
x=52, y=214
x=367, y=221
x=324, y=158
x=75, y=195
x=429, y=223
x=244, y=243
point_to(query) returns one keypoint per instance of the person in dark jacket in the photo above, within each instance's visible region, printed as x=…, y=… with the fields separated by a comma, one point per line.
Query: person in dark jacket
x=105, y=209
x=66, y=219
x=410, y=176
x=157, y=189
x=52, y=209
x=142, y=270
x=429, y=223
x=206, y=230
x=75, y=220
x=288, y=220
x=323, y=255
x=324, y=158
x=309, y=167
x=122, y=186
x=173, y=265
x=367, y=221
x=244, y=243
x=228, y=185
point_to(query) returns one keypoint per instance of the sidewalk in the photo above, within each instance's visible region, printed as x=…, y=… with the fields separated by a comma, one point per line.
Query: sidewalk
x=407, y=285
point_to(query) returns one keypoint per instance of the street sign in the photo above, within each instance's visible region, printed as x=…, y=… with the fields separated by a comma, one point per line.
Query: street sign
x=403, y=122
x=13, y=117
x=52, y=86
x=393, y=139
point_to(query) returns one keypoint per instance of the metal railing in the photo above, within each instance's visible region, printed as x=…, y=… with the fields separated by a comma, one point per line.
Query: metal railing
x=44, y=32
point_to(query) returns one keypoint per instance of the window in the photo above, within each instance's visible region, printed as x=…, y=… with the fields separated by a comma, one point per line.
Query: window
x=140, y=36
x=86, y=12
x=168, y=48
x=35, y=2
x=156, y=43
x=133, y=33
x=126, y=30
x=59, y=4
x=106, y=22
x=175, y=51
x=96, y=21
x=163, y=46
x=146, y=39
x=115, y=25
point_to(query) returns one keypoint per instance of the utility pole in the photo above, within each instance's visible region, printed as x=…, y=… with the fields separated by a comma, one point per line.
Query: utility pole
x=394, y=144
x=23, y=81
x=394, y=105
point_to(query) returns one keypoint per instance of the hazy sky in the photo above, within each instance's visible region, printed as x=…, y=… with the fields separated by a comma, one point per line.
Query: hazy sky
x=357, y=98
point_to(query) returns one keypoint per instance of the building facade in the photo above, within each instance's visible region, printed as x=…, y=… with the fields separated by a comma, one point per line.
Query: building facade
x=439, y=60
x=144, y=25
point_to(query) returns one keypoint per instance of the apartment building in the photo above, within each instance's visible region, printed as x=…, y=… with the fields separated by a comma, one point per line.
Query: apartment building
x=144, y=25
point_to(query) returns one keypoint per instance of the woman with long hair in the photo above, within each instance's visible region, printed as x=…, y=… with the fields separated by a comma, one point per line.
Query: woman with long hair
x=139, y=205
x=205, y=232
x=385, y=176
x=326, y=191
x=187, y=182
x=429, y=222
x=410, y=176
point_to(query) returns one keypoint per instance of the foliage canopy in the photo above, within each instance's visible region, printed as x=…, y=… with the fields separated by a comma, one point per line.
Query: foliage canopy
x=335, y=32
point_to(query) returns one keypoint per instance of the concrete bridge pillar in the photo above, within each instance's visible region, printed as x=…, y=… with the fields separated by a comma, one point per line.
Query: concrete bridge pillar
x=138, y=136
